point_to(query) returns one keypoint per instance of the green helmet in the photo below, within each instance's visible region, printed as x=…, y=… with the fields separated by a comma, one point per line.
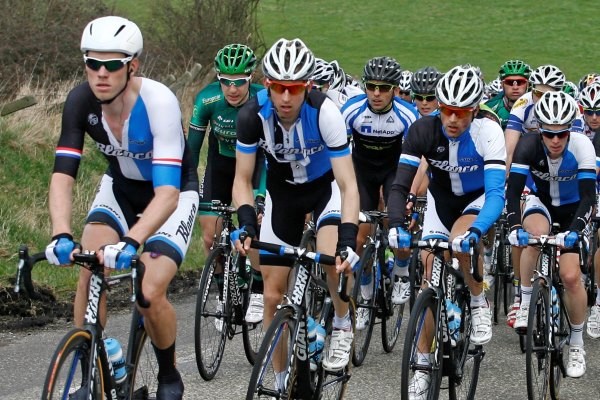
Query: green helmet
x=515, y=67
x=235, y=59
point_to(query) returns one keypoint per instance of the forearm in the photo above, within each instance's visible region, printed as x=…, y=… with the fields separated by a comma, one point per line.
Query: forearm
x=60, y=203
x=156, y=213
x=419, y=177
x=511, y=138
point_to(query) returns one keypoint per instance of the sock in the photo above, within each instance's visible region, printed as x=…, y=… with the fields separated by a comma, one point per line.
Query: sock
x=257, y=282
x=342, y=323
x=366, y=287
x=576, y=338
x=423, y=358
x=479, y=300
x=167, y=373
x=401, y=267
x=279, y=379
x=526, y=294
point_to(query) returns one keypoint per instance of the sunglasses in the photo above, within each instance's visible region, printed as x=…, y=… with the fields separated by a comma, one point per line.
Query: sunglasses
x=111, y=65
x=382, y=87
x=550, y=134
x=591, y=111
x=292, y=88
x=460, y=112
x=426, y=97
x=537, y=93
x=237, y=82
x=512, y=82
x=405, y=93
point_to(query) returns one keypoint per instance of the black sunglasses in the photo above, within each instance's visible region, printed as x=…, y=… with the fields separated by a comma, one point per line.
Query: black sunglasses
x=550, y=134
x=112, y=65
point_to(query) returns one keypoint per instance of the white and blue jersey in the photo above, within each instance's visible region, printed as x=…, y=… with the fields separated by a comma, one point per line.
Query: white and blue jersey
x=522, y=120
x=464, y=167
x=558, y=182
x=301, y=153
x=377, y=137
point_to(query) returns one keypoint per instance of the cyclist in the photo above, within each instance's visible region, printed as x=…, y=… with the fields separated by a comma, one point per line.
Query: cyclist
x=136, y=123
x=404, y=86
x=514, y=76
x=422, y=86
x=217, y=106
x=322, y=80
x=466, y=192
x=571, y=89
x=377, y=122
x=562, y=164
x=589, y=101
x=492, y=89
x=309, y=169
x=587, y=79
x=340, y=81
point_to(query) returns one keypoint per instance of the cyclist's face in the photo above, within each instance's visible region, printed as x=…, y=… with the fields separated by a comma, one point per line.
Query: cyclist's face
x=426, y=104
x=538, y=90
x=555, y=144
x=104, y=83
x=592, y=120
x=514, y=86
x=405, y=96
x=235, y=88
x=456, y=121
x=287, y=98
x=380, y=94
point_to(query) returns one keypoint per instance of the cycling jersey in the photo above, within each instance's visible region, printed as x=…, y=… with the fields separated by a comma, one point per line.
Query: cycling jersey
x=499, y=105
x=301, y=153
x=471, y=164
x=211, y=107
x=560, y=182
x=153, y=148
x=522, y=120
x=377, y=136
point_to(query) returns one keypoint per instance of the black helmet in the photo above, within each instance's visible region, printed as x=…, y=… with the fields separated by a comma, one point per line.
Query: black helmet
x=384, y=69
x=425, y=80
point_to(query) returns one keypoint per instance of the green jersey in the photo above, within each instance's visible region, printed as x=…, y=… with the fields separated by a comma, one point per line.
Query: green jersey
x=211, y=108
x=499, y=106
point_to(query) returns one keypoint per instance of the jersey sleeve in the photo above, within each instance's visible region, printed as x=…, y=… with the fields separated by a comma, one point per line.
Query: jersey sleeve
x=333, y=129
x=167, y=131
x=248, y=127
x=517, y=114
x=586, y=174
x=198, y=126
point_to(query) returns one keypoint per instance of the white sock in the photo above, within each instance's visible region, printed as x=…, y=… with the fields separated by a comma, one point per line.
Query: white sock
x=576, y=338
x=342, y=323
x=526, y=294
x=279, y=379
x=366, y=291
x=423, y=358
x=479, y=300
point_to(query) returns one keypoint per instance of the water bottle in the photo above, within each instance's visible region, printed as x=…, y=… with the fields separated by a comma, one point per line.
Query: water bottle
x=389, y=255
x=454, y=317
x=116, y=358
x=316, y=341
x=555, y=309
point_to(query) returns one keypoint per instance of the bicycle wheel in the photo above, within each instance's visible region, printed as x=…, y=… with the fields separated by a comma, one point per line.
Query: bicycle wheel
x=562, y=332
x=466, y=360
x=69, y=368
x=537, y=354
x=391, y=318
x=263, y=383
x=365, y=307
x=212, y=319
x=509, y=289
x=423, y=348
x=252, y=334
x=415, y=272
x=498, y=272
x=144, y=372
x=315, y=296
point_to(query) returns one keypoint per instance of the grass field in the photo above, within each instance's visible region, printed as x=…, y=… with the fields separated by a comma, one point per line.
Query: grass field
x=416, y=33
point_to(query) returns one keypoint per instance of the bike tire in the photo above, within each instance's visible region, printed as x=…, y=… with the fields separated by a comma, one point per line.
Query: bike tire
x=262, y=385
x=560, y=337
x=391, y=318
x=509, y=289
x=537, y=356
x=69, y=365
x=498, y=271
x=209, y=342
x=252, y=333
x=466, y=360
x=366, y=307
x=415, y=272
x=143, y=376
x=427, y=307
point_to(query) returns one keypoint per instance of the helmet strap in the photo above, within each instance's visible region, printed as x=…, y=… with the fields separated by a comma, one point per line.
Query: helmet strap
x=106, y=102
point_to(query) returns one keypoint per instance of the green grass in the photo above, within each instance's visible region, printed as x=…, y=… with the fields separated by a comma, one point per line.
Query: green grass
x=439, y=33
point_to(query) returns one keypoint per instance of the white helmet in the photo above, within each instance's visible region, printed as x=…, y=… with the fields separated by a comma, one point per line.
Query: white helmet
x=589, y=97
x=323, y=71
x=112, y=35
x=548, y=75
x=555, y=108
x=339, y=76
x=405, y=78
x=494, y=87
x=460, y=87
x=289, y=60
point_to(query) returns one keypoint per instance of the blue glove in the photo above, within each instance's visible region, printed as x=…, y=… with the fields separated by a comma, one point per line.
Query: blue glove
x=567, y=239
x=248, y=231
x=460, y=244
x=58, y=252
x=398, y=238
x=518, y=237
x=118, y=256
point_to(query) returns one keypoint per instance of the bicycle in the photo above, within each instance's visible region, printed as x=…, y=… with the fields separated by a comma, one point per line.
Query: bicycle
x=381, y=285
x=80, y=365
x=502, y=268
x=547, y=332
x=222, y=300
x=288, y=329
x=449, y=349
x=415, y=272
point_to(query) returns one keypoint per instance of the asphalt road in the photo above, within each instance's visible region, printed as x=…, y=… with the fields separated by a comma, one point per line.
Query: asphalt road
x=24, y=358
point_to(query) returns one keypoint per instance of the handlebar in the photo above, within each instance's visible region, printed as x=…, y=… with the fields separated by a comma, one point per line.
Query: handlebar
x=24, y=267
x=217, y=206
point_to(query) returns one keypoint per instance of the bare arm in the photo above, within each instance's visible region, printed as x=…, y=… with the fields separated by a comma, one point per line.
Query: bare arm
x=343, y=170
x=60, y=202
x=511, y=137
x=242, y=193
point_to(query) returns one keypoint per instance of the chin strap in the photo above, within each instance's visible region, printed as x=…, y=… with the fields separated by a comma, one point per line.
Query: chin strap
x=120, y=91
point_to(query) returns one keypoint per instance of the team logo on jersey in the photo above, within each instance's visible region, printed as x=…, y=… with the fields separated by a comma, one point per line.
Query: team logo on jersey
x=541, y=163
x=366, y=129
x=93, y=119
x=390, y=120
x=546, y=176
x=440, y=149
x=520, y=103
x=445, y=166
